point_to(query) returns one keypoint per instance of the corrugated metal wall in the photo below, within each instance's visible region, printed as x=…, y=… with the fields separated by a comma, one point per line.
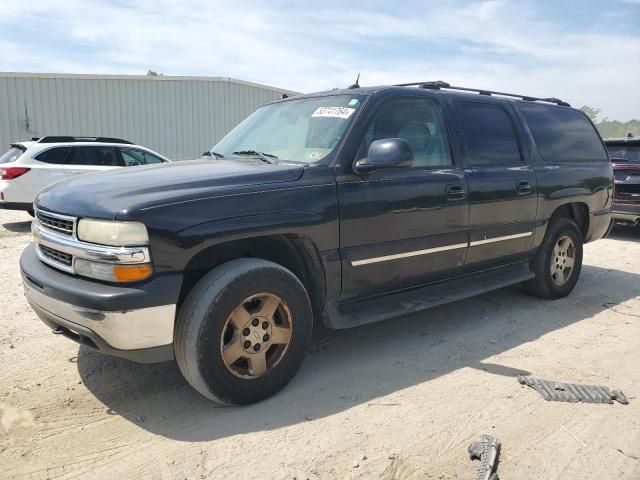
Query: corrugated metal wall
x=179, y=117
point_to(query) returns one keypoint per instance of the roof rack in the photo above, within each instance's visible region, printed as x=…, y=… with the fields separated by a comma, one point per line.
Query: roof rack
x=60, y=139
x=439, y=84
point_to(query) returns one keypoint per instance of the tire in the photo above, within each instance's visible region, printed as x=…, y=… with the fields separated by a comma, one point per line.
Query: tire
x=553, y=280
x=217, y=314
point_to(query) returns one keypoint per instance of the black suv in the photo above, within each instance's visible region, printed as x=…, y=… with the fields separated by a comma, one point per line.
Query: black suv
x=345, y=207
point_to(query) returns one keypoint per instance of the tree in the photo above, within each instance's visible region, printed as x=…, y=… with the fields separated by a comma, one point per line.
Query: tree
x=153, y=73
x=611, y=128
x=591, y=112
x=615, y=129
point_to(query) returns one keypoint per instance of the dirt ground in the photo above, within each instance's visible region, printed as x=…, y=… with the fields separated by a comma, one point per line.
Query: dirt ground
x=396, y=400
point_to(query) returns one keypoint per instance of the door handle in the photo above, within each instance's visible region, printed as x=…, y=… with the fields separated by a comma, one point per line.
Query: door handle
x=456, y=192
x=523, y=187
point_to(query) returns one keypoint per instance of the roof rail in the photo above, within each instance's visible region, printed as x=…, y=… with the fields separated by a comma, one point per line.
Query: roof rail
x=439, y=84
x=63, y=139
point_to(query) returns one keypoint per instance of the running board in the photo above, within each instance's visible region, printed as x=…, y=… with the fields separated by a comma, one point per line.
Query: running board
x=384, y=307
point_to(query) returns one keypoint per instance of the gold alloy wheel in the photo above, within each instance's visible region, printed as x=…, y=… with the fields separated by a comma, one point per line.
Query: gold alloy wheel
x=562, y=260
x=256, y=335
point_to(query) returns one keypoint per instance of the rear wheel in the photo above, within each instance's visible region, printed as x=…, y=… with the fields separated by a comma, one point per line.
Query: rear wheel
x=243, y=331
x=559, y=260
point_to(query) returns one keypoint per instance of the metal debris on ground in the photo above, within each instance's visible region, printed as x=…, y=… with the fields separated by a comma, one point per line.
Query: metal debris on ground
x=485, y=449
x=573, y=392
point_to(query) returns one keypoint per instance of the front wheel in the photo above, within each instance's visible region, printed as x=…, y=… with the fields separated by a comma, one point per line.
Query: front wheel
x=243, y=331
x=559, y=260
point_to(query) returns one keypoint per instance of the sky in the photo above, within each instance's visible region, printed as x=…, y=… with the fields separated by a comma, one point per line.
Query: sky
x=584, y=52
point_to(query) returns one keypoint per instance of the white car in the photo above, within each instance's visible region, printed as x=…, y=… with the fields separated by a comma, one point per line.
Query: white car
x=27, y=167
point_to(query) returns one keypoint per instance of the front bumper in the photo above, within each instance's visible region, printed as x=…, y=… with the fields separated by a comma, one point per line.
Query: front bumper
x=131, y=322
x=626, y=212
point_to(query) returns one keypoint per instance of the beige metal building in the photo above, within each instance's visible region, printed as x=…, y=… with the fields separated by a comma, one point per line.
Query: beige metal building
x=179, y=117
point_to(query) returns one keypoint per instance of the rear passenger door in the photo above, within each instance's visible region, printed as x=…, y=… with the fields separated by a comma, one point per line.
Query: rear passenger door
x=93, y=158
x=503, y=191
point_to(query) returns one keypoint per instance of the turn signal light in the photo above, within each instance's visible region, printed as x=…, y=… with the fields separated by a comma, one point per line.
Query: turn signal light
x=9, y=173
x=132, y=273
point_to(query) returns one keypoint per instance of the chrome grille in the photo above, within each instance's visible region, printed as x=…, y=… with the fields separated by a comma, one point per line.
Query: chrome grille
x=56, y=256
x=55, y=222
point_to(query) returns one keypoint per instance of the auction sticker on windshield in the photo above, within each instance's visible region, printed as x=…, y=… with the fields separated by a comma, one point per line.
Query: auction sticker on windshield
x=334, y=112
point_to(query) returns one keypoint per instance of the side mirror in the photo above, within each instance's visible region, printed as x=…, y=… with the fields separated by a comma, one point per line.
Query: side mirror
x=386, y=153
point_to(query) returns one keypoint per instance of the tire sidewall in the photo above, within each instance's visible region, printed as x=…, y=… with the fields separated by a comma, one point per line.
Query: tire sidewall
x=223, y=384
x=557, y=229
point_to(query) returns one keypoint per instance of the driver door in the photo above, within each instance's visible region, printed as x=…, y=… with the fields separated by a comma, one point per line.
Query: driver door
x=407, y=226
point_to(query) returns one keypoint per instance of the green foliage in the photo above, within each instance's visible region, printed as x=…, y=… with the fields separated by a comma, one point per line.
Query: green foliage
x=153, y=73
x=611, y=128
x=592, y=113
x=614, y=128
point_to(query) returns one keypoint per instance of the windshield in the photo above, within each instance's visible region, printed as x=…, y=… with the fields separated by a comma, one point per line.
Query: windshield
x=304, y=130
x=625, y=154
x=10, y=155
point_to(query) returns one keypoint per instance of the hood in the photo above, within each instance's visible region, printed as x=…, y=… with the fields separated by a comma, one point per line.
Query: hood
x=124, y=190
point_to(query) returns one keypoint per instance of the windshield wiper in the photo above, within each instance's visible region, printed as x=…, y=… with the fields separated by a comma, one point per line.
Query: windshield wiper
x=265, y=157
x=215, y=154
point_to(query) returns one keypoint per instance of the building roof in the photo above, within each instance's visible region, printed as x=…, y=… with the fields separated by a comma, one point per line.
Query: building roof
x=159, y=78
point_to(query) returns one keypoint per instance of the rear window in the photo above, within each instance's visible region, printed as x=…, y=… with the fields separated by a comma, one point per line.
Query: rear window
x=11, y=155
x=54, y=155
x=624, y=154
x=563, y=134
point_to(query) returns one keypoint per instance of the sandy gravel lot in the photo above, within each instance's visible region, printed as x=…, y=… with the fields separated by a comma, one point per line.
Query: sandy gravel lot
x=397, y=400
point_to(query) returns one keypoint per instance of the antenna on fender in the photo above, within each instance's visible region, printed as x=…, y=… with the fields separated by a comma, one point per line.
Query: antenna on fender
x=355, y=85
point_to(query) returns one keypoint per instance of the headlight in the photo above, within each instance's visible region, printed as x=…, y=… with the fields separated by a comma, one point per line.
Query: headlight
x=119, y=234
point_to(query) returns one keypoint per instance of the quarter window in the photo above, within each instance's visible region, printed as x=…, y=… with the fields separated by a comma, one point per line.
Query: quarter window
x=489, y=135
x=419, y=121
x=56, y=156
x=563, y=134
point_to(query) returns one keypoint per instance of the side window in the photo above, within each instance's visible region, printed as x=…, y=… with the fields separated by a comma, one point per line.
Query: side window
x=57, y=156
x=419, y=121
x=134, y=156
x=489, y=135
x=96, y=156
x=563, y=134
